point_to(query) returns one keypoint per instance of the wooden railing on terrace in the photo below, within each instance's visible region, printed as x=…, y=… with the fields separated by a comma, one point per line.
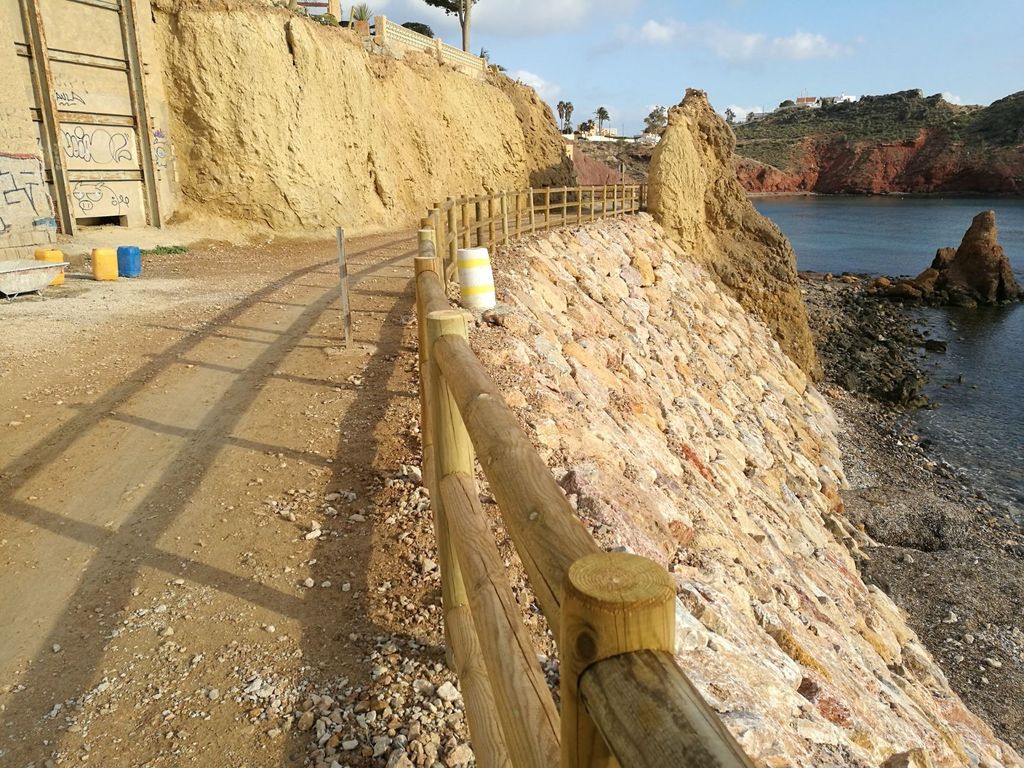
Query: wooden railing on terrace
x=490, y=220
x=624, y=701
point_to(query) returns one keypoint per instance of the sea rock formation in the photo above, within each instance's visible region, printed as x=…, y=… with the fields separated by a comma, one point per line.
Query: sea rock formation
x=681, y=431
x=978, y=272
x=694, y=195
x=287, y=124
x=979, y=265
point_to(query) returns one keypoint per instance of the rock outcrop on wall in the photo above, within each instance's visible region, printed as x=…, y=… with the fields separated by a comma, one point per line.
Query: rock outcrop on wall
x=679, y=429
x=694, y=194
x=289, y=124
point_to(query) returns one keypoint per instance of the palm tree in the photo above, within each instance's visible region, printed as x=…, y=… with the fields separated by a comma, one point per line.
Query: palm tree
x=601, y=114
x=561, y=115
x=568, y=116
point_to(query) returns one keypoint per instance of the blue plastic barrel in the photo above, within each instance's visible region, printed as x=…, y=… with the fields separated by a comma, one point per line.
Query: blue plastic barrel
x=129, y=261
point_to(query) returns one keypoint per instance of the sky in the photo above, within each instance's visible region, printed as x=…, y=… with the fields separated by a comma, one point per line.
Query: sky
x=631, y=55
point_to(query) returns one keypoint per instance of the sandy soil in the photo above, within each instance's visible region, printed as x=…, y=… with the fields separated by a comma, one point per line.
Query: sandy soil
x=169, y=446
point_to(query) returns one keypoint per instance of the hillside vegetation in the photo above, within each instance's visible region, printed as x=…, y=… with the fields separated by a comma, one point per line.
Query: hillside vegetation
x=899, y=142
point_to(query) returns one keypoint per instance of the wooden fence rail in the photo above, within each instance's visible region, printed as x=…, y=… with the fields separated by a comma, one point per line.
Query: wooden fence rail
x=492, y=220
x=624, y=701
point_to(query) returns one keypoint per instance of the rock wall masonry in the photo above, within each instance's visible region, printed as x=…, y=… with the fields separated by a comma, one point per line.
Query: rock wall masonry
x=680, y=430
x=287, y=124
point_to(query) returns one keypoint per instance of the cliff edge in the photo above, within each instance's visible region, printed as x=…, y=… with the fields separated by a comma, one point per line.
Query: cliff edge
x=287, y=124
x=694, y=194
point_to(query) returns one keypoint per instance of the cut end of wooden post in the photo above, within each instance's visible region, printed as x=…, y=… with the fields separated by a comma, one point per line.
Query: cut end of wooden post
x=446, y=322
x=613, y=603
x=617, y=579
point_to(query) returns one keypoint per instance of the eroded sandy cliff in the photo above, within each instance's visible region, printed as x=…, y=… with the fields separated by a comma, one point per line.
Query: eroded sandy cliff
x=680, y=430
x=694, y=194
x=284, y=123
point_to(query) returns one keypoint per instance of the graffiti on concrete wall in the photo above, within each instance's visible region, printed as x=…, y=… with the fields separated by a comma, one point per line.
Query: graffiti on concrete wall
x=161, y=149
x=70, y=91
x=68, y=98
x=99, y=199
x=25, y=202
x=97, y=145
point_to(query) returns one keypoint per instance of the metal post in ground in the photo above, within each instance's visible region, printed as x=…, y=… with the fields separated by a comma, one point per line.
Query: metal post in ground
x=346, y=307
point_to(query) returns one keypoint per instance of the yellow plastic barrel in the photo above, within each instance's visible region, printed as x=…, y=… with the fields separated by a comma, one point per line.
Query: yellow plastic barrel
x=52, y=254
x=104, y=264
x=476, y=281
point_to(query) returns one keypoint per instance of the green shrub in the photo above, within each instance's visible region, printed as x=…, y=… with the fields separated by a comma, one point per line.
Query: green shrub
x=422, y=29
x=165, y=250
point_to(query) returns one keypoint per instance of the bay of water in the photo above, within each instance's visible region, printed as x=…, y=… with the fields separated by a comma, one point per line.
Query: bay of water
x=979, y=424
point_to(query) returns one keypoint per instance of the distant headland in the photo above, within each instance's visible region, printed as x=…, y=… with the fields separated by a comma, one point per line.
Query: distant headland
x=902, y=142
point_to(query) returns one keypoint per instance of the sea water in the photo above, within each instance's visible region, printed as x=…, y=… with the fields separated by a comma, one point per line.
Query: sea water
x=978, y=385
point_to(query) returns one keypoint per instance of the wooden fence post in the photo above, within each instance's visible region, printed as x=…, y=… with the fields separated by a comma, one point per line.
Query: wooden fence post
x=533, y=220
x=479, y=206
x=346, y=307
x=504, y=218
x=452, y=451
x=427, y=248
x=613, y=603
x=453, y=232
x=547, y=208
x=490, y=221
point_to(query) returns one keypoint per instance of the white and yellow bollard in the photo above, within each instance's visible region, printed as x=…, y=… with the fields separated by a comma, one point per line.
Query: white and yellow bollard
x=476, y=280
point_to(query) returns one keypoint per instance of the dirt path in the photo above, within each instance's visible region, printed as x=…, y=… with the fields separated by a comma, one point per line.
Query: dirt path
x=193, y=502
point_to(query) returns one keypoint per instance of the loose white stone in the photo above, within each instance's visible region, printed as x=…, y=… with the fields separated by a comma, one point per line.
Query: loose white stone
x=448, y=692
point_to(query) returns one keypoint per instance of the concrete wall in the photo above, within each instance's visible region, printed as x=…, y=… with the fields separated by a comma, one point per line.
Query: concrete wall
x=26, y=209
x=103, y=154
x=161, y=145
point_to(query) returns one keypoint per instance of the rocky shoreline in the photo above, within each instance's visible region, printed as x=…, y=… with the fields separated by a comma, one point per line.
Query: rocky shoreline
x=930, y=541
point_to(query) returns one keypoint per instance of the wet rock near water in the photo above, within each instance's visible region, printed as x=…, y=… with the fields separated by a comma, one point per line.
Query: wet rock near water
x=978, y=272
x=865, y=344
x=950, y=561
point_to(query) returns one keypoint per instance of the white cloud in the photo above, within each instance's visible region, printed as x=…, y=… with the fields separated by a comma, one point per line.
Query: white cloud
x=547, y=90
x=952, y=98
x=734, y=45
x=507, y=18
x=658, y=32
x=527, y=18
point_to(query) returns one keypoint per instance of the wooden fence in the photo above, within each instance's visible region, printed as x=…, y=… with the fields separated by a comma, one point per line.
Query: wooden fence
x=624, y=701
x=490, y=220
